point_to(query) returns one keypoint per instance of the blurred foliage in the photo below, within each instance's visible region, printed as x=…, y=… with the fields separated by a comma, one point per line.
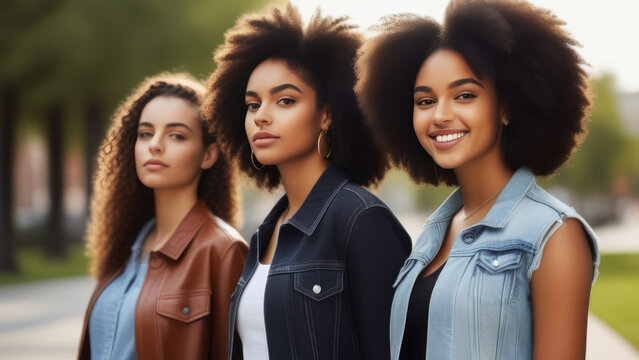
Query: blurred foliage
x=608, y=154
x=78, y=51
x=615, y=295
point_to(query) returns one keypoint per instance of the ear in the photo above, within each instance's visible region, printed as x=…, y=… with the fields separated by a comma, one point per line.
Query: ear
x=325, y=118
x=210, y=156
x=503, y=118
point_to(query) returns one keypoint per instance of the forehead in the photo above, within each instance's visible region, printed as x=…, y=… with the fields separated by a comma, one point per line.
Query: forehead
x=273, y=72
x=444, y=65
x=162, y=110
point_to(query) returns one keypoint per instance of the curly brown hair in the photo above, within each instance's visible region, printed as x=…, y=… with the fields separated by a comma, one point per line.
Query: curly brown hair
x=323, y=55
x=539, y=80
x=121, y=204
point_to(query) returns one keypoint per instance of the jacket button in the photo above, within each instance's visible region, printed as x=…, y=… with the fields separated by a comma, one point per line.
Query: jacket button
x=317, y=289
x=469, y=238
x=186, y=310
x=495, y=263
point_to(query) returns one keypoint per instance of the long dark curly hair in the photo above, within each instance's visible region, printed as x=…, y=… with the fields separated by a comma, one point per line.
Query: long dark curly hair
x=323, y=54
x=121, y=204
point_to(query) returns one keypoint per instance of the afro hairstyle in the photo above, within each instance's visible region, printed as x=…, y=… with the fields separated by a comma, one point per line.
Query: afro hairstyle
x=539, y=80
x=323, y=55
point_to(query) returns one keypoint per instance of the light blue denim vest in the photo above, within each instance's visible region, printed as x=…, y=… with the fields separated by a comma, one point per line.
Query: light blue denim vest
x=480, y=306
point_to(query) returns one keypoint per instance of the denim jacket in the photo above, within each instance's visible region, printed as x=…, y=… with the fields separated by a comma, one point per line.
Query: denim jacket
x=481, y=305
x=329, y=288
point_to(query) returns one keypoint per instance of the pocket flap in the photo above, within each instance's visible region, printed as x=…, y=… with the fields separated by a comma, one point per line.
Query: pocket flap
x=185, y=306
x=319, y=284
x=498, y=261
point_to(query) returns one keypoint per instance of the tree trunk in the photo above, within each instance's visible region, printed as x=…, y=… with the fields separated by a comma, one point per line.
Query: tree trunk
x=7, y=131
x=55, y=245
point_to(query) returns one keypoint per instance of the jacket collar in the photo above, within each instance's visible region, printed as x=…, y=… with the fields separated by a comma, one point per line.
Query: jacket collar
x=187, y=230
x=314, y=206
x=515, y=190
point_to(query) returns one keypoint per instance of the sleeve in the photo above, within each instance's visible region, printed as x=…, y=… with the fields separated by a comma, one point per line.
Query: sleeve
x=226, y=274
x=378, y=246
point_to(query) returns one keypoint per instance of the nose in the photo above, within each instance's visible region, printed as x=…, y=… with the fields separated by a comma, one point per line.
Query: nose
x=155, y=145
x=262, y=116
x=443, y=113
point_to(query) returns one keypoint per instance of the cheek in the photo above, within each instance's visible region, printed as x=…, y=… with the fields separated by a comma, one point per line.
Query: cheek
x=420, y=125
x=303, y=127
x=249, y=124
x=190, y=156
x=138, y=152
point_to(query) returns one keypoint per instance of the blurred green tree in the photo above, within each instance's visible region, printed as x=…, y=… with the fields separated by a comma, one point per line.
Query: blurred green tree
x=605, y=157
x=62, y=57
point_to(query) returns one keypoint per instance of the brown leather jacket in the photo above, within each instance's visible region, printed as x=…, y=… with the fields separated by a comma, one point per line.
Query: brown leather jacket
x=183, y=307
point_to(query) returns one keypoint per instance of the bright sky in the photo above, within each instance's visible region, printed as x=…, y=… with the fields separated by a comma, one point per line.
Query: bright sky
x=607, y=29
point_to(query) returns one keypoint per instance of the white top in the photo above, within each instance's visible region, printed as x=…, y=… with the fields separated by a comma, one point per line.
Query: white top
x=250, y=316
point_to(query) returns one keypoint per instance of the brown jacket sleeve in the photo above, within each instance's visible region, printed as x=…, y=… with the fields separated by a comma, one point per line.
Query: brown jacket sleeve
x=226, y=273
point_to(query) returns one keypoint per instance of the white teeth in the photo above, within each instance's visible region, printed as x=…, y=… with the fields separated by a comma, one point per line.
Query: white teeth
x=449, y=137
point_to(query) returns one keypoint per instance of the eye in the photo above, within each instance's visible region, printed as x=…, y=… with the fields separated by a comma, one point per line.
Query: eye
x=286, y=101
x=177, y=136
x=465, y=96
x=424, y=102
x=144, y=134
x=252, y=106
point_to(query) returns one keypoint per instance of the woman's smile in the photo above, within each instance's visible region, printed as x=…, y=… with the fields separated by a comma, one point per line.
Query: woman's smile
x=445, y=139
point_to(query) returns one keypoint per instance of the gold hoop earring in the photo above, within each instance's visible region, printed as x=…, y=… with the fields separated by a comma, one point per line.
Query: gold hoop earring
x=254, y=161
x=327, y=144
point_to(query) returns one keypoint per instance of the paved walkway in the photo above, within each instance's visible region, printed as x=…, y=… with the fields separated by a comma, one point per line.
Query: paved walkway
x=43, y=321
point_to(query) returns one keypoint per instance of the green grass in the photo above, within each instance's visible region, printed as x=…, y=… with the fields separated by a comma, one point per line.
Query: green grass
x=34, y=266
x=615, y=295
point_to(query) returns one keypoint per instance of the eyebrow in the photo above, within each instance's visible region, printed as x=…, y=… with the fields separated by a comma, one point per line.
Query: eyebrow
x=452, y=85
x=167, y=125
x=460, y=82
x=276, y=89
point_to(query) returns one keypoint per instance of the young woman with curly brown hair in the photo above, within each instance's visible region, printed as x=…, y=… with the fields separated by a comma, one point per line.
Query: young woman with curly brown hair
x=161, y=247
x=487, y=101
x=317, y=282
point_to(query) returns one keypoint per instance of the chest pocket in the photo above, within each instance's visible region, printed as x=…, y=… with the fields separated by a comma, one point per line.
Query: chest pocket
x=319, y=284
x=498, y=261
x=185, y=307
x=497, y=273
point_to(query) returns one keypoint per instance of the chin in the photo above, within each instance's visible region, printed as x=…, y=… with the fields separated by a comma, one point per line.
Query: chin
x=449, y=164
x=268, y=159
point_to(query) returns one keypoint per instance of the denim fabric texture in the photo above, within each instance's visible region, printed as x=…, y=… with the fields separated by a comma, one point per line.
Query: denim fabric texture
x=329, y=288
x=481, y=305
x=112, y=325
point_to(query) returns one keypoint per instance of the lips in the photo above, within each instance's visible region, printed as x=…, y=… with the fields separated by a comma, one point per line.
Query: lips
x=264, y=138
x=154, y=164
x=445, y=139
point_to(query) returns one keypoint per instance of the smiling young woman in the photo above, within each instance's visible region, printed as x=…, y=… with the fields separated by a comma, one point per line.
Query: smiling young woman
x=486, y=101
x=165, y=258
x=317, y=282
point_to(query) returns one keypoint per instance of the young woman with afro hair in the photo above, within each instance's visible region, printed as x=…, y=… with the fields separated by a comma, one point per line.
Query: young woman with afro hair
x=161, y=247
x=318, y=279
x=487, y=101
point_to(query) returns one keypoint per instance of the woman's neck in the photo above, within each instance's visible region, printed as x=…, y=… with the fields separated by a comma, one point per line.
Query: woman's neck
x=299, y=178
x=481, y=179
x=171, y=206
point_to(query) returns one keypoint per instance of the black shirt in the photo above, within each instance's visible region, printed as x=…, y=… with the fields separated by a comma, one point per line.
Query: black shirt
x=416, y=330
